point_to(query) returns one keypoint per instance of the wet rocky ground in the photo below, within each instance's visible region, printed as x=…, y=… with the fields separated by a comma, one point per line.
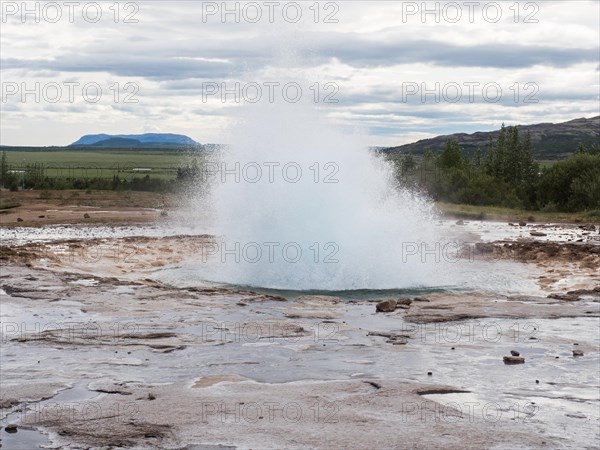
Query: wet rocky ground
x=97, y=353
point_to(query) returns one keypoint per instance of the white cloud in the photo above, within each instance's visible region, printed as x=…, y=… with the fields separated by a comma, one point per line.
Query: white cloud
x=171, y=53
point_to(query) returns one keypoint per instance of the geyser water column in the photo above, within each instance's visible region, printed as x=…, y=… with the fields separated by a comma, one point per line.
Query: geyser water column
x=301, y=205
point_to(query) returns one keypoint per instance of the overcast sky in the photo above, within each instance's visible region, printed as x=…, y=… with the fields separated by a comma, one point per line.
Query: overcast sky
x=169, y=60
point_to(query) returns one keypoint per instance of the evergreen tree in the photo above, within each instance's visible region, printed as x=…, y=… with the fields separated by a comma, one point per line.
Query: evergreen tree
x=450, y=156
x=408, y=162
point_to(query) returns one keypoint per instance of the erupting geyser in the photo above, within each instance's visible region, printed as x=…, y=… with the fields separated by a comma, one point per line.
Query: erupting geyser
x=301, y=205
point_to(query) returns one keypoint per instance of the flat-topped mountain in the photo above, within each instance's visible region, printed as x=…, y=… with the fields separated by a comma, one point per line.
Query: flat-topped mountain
x=134, y=140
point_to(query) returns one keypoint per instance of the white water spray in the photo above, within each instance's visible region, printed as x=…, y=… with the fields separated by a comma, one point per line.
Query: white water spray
x=301, y=205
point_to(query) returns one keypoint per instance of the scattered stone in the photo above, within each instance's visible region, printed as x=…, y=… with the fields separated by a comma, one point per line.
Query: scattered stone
x=515, y=353
x=522, y=224
x=577, y=353
x=420, y=299
x=392, y=338
x=460, y=222
x=537, y=381
x=429, y=373
x=19, y=219
x=575, y=343
x=41, y=217
x=11, y=428
x=151, y=396
x=510, y=224
x=452, y=348
x=386, y=306
x=86, y=216
x=513, y=360
x=537, y=233
x=399, y=340
x=404, y=301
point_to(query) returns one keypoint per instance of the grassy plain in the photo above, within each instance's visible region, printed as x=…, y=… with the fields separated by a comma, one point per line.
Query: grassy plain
x=101, y=163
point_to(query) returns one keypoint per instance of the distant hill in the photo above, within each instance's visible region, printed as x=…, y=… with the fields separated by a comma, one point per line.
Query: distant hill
x=549, y=140
x=134, y=140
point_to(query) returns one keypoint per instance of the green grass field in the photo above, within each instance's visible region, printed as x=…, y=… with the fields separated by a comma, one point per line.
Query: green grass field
x=101, y=164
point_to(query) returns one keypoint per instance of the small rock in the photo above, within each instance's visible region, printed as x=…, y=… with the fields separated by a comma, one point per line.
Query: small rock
x=397, y=341
x=41, y=217
x=404, y=301
x=86, y=216
x=164, y=213
x=386, y=306
x=513, y=360
x=577, y=353
x=510, y=224
x=515, y=353
x=151, y=396
x=11, y=428
x=374, y=384
x=392, y=338
x=460, y=222
x=19, y=219
x=429, y=373
x=537, y=233
x=522, y=224
x=452, y=348
x=537, y=381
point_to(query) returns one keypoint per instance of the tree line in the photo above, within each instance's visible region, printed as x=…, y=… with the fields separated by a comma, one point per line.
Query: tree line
x=505, y=174
x=35, y=176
